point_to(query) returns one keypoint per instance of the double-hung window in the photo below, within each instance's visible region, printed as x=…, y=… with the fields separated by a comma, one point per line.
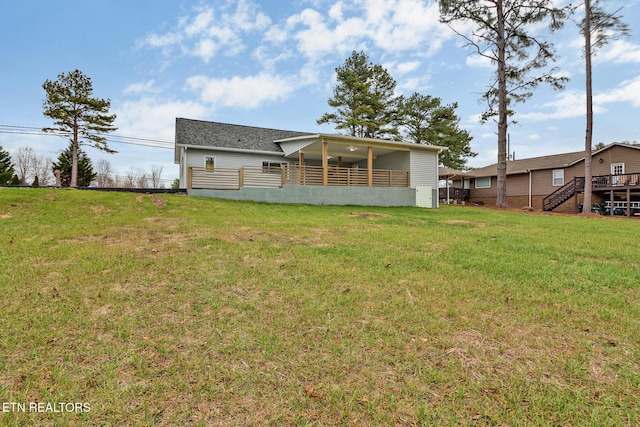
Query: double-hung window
x=558, y=177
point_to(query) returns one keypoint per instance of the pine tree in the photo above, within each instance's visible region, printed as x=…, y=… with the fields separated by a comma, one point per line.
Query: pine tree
x=86, y=173
x=77, y=115
x=597, y=28
x=6, y=167
x=364, y=100
x=425, y=120
x=502, y=35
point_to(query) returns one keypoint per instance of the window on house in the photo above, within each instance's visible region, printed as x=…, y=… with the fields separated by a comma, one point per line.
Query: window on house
x=272, y=167
x=617, y=168
x=209, y=163
x=483, y=182
x=558, y=177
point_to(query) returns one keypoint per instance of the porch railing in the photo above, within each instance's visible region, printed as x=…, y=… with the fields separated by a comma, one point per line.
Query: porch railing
x=233, y=179
x=351, y=177
x=455, y=193
x=604, y=181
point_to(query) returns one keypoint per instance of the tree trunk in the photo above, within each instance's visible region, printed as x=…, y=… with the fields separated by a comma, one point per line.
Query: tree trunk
x=501, y=186
x=586, y=203
x=74, y=156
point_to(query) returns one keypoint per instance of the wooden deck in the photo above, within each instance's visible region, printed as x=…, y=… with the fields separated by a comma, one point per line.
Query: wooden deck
x=611, y=188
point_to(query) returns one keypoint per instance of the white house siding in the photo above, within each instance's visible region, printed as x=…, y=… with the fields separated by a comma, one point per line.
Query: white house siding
x=424, y=169
x=398, y=160
x=225, y=159
x=290, y=147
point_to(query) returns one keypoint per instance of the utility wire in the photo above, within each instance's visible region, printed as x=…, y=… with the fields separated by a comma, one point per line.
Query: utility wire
x=115, y=138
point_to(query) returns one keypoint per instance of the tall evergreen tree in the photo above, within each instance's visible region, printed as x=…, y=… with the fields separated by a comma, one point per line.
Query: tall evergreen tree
x=425, y=120
x=364, y=101
x=6, y=167
x=85, y=172
x=597, y=28
x=77, y=115
x=502, y=35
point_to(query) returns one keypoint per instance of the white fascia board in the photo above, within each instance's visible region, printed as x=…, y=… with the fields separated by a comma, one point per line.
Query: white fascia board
x=354, y=140
x=231, y=150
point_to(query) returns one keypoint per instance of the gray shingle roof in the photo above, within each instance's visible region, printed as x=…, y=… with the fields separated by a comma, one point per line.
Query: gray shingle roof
x=214, y=134
x=556, y=161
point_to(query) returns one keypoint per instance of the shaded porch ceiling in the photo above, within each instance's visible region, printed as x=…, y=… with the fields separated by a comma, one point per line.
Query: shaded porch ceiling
x=349, y=149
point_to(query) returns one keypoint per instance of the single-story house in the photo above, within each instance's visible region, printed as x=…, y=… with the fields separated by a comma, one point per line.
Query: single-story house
x=556, y=182
x=279, y=166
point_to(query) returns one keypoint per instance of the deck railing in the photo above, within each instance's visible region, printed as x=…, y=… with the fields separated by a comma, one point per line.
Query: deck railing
x=233, y=179
x=625, y=179
x=454, y=193
x=351, y=177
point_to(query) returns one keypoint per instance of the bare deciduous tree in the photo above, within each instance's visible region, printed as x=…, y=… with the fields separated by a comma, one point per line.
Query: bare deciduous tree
x=136, y=178
x=42, y=170
x=23, y=163
x=104, y=174
x=28, y=165
x=156, y=176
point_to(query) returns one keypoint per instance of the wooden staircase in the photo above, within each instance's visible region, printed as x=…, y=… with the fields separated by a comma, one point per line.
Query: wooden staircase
x=562, y=194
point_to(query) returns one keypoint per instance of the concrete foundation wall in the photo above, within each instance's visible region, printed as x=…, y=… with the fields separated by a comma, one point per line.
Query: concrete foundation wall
x=318, y=195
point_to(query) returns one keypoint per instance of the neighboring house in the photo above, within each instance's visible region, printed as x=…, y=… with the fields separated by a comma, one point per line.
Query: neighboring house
x=278, y=166
x=556, y=182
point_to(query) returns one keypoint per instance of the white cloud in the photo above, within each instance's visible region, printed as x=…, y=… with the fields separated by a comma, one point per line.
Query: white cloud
x=248, y=17
x=390, y=25
x=404, y=25
x=572, y=103
x=211, y=30
x=164, y=42
x=200, y=23
x=619, y=51
x=242, y=92
x=142, y=87
x=407, y=67
x=151, y=118
x=205, y=49
x=316, y=38
x=627, y=91
x=479, y=61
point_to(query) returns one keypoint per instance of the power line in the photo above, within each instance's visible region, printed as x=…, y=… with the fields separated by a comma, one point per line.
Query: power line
x=115, y=138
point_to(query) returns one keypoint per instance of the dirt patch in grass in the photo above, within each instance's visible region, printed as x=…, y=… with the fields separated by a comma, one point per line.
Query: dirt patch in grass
x=367, y=215
x=5, y=216
x=99, y=209
x=316, y=237
x=161, y=236
x=158, y=201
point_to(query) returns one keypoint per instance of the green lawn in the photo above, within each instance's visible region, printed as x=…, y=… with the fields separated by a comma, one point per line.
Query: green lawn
x=176, y=310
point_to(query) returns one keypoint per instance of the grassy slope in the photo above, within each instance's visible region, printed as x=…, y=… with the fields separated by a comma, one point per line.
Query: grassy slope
x=210, y=312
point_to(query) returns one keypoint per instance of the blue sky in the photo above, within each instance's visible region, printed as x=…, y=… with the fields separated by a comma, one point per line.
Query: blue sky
x=271, y=64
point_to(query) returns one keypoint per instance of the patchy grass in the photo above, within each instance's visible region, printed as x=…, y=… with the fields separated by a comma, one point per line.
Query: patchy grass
x=175, y=310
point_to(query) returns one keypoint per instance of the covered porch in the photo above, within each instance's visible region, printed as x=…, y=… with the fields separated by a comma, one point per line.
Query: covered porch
x=318, y=160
